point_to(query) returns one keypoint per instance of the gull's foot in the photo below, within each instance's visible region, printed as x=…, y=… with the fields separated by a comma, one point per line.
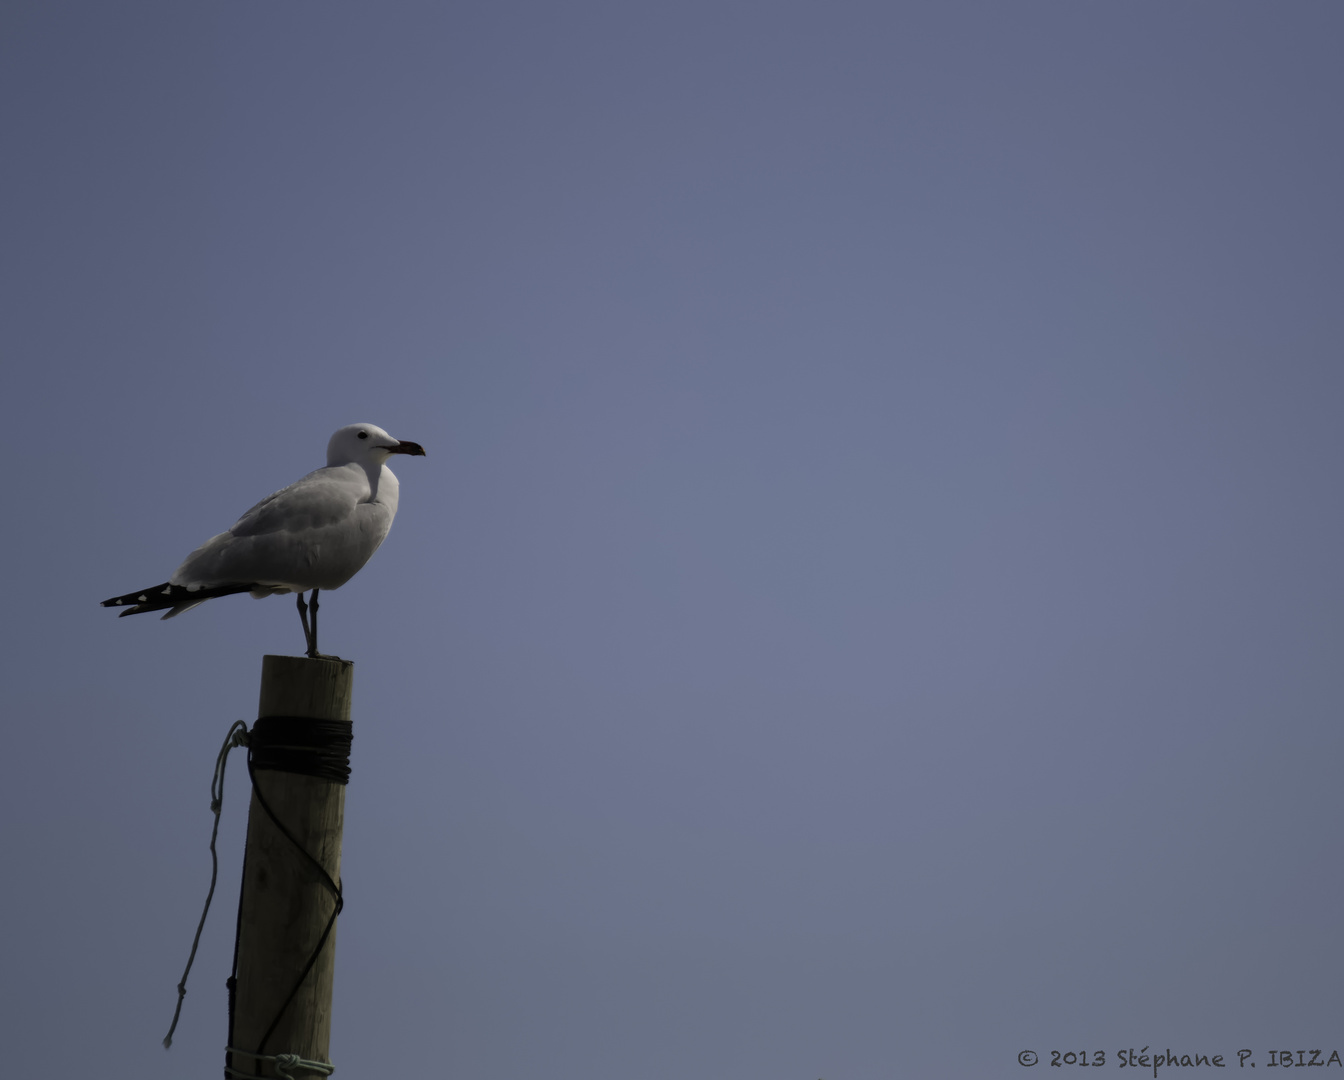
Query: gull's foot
x=324, y=656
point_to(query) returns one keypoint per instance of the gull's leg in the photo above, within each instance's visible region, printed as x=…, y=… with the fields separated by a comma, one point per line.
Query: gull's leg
x=307, y=634
x=308, y=613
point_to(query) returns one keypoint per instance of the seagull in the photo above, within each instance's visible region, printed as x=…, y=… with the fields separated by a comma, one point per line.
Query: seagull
x=314, y=534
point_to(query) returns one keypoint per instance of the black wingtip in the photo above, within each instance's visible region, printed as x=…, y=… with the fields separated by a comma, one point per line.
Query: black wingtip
x=168, y=595
x=143, y=599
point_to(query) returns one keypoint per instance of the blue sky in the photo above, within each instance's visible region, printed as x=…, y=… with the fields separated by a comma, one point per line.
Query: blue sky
x=871, y=602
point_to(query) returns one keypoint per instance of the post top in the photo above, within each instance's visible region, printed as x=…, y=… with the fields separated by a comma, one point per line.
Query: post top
x=309, y=659
x=299, y=686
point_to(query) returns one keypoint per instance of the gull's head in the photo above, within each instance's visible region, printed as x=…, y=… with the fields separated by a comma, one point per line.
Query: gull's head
x=367, y=444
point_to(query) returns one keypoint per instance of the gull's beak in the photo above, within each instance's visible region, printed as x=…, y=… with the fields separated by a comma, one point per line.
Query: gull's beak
x=412, y=448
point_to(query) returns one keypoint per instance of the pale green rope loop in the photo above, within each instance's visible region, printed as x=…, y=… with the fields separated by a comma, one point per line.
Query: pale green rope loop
x=284, y=1064
x=237, y=736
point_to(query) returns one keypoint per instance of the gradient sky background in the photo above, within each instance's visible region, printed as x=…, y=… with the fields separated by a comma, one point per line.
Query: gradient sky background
x=872, y=604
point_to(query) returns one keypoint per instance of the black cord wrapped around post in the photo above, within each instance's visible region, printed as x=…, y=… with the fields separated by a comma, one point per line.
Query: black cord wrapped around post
x=298, y=757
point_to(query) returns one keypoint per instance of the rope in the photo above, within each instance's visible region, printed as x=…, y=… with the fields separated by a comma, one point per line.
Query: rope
x=237, y=736
x=284, y=1063
x=295, y=744
x=310, y=747
x=333, y=887
x=300, y=744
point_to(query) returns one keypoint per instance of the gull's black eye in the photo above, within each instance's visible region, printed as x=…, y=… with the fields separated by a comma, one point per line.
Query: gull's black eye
x=363, y=434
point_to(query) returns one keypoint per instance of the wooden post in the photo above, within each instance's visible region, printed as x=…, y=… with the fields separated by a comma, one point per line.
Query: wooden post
x=286, y=904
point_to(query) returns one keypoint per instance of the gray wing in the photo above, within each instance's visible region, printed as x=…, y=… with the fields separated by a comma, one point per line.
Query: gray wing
x=321, y=499
x=314, y=534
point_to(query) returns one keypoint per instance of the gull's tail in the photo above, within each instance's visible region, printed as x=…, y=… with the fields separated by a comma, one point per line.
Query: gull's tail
x=177, y=597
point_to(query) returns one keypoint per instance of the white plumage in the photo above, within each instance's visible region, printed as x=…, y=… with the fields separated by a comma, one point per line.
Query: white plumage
x=314, y=534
